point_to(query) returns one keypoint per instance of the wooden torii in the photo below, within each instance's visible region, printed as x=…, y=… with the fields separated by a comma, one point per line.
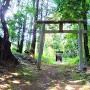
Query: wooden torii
x=60, y=23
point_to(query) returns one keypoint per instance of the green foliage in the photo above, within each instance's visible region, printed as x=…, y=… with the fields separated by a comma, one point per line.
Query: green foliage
x=57, y=42
x=71, y=46
x=46, y=59
x=85, y=76
x=71, y=10
x=14, y=50
x=73, y=61
x=15, y=24
x=30, y=10
x=12, y=29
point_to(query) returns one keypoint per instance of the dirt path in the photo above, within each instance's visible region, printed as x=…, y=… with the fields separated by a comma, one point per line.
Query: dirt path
x=51, y=77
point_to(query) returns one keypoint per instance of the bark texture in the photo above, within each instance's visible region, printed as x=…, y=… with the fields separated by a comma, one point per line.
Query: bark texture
x=86, y=49
x=6, y=56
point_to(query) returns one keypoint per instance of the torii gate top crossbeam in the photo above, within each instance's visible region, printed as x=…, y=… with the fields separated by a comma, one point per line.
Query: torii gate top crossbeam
x=61, y=22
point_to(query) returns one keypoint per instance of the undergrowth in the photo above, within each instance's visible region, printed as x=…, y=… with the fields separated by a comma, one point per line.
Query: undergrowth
x=45, y=59
x=73, y=61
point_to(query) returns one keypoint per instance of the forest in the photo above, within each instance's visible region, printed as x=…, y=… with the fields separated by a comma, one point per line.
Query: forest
x=44, y=45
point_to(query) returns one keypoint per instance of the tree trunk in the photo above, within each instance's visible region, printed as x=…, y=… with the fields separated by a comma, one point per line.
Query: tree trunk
x=6, y=56
x=18, y=40
x=4, y=26
x=22, y=38
x=85, y=28
x=34, y=27
x=86, y=43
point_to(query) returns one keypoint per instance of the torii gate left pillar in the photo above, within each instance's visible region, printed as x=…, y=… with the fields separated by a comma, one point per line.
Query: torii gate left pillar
x=42, y=38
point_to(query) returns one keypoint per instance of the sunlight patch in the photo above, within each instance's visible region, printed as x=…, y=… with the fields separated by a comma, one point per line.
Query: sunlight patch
x=85, y=88
x=4, y=86
x=77, y=82
x=2, y=79
x=69, y=88
x=28, y=83
x=7, y=76
x=16, y=74
x=56, y=87
x=88, y=69
x=16, y=81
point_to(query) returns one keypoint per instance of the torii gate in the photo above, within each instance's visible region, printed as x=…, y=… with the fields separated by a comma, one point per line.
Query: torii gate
x=42, y=37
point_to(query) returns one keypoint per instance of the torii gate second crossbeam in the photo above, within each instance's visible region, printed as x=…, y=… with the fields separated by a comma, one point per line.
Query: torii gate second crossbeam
x=42, y=37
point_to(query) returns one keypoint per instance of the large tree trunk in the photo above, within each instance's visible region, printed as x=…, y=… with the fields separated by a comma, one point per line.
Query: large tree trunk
x=4, y=26
x=85, y=28
x=6, y=56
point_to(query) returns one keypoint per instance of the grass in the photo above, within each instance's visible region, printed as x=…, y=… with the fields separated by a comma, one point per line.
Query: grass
x=26, y=74
x=73, y=61
x=51, y=60
x=47, y=60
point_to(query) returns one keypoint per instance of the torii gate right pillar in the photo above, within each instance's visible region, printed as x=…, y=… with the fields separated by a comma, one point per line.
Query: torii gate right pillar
x=80, y=47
